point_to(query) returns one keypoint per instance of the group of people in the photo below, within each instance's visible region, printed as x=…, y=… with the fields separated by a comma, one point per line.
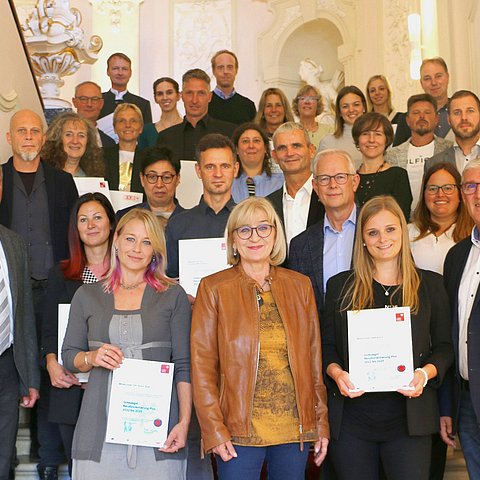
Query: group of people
x=318, y=221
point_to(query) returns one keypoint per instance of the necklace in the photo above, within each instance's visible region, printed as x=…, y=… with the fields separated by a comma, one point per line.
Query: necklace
x=386, y=290
x=131, y=287
x=365, y=187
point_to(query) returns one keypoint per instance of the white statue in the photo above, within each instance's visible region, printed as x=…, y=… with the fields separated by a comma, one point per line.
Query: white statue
x=310, y=73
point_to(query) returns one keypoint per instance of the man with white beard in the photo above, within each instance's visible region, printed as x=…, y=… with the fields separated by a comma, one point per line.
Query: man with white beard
x=36, y=204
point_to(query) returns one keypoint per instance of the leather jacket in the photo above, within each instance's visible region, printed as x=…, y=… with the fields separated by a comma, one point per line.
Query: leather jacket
x=225, y=352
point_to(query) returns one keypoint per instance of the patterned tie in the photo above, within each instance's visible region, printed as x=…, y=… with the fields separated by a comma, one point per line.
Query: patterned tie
x=4, y=318
x=250, y=186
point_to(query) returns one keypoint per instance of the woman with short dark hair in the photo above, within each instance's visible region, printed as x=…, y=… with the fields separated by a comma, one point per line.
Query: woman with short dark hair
x=373, y=134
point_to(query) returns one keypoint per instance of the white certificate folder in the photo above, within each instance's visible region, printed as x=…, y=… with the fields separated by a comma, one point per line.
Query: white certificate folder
x=139, y=406
x=380, y=349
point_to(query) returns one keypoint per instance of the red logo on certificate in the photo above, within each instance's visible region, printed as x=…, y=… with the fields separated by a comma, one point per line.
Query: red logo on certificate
x=401, y=368
x=165, y=369
x=157, y=422
x=103, y=185
x=399, y=317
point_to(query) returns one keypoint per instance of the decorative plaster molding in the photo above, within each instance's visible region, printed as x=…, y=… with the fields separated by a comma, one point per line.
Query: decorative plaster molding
x=8, y=101
x=397, y=49
x=290, y=14
x=332, y=7
x=115, y=9
x=200, y=28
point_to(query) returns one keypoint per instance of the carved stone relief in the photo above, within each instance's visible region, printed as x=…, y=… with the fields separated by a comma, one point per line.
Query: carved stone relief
x=397, y=51
x=200, y=28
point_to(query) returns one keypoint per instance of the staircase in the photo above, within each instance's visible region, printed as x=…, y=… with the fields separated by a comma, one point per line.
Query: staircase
x=26, y=469
x=455, y=469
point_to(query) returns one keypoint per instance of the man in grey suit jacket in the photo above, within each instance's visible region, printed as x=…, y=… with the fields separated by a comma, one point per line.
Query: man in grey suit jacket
x=325, y=248
x=422, y=118
x=464, y=118
x=19, y=369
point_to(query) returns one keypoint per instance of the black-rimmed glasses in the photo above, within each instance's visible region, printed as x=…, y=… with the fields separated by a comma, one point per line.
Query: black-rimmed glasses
x=165, y=178
x=447, y=189
x=340, y=178
x=263, y=231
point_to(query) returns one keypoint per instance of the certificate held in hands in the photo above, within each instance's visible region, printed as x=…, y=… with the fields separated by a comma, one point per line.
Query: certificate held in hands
x=139, y=406
x=380, y=349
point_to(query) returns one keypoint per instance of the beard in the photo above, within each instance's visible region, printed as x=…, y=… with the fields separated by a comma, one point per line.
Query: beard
x=423, y=130
x=466, y=135
x=29, y=156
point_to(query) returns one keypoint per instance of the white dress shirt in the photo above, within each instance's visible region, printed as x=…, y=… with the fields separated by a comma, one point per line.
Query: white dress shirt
x=295, y=210
x=466, y=296
x=6, y=279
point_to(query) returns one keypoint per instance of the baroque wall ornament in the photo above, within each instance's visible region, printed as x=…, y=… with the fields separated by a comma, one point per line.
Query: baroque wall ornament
x=8, y=101
x=332, y=7
x=115, y=9
x=201, y=28
x=56, y=45
x=397, y=58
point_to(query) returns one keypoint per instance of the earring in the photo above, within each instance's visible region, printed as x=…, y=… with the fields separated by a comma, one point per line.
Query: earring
x=364, y=244
x=154, y=259
x=116, y=251
x=235, y=252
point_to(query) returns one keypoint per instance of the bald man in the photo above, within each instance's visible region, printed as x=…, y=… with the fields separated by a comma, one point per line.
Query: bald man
x=36, y=204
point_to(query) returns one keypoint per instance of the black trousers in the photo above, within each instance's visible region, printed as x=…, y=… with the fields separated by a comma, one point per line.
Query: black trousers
x=406, y=457
x=9, y=397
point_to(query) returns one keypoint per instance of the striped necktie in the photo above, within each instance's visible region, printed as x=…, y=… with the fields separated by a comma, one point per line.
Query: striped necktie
x=250, y=186
x=4, y=318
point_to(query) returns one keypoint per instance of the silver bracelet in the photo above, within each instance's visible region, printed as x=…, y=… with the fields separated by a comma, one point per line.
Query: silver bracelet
x=425, y=374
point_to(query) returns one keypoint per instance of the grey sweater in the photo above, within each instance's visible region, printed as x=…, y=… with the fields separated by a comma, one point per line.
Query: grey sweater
x=165, y=318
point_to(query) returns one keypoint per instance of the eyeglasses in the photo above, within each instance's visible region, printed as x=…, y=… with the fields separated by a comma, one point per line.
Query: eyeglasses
x=165, y=178
x=470, y=187
x=340, y=178
x=447, y=189
x=308, y=98
x=263, y=231
x=85, y=100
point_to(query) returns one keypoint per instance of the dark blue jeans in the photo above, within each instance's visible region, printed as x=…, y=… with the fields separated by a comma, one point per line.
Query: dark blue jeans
x=284, y=462
x=469, y=433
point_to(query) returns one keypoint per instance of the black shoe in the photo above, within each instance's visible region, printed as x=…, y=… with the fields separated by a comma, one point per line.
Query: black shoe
x=47, y=473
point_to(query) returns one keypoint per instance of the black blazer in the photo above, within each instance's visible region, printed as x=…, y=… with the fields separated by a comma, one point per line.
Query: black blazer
x=112, y=172
x=107, y=141
x=64, y=403
x=143, y=104
x=25, y=351
x=452, y=274
x=431, y=344
x=315, y=212
x=61, y=194
x=305, y=255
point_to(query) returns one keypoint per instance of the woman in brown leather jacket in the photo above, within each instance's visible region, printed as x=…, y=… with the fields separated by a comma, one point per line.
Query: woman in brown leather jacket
x=256, y=355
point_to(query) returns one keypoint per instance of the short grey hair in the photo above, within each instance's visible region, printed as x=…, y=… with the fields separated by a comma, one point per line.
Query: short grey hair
x=333, y=151
x=475, y=163
x=290, y=127
x=88, y=82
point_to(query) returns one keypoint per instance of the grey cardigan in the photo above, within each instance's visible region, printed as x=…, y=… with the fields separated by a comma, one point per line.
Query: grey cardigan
x=166, y=318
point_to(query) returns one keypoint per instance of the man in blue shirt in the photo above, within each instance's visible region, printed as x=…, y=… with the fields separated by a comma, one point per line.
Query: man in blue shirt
x=325, y=248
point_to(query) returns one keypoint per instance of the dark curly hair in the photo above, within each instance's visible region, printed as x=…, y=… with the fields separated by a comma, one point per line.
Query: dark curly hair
x=54, y=154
